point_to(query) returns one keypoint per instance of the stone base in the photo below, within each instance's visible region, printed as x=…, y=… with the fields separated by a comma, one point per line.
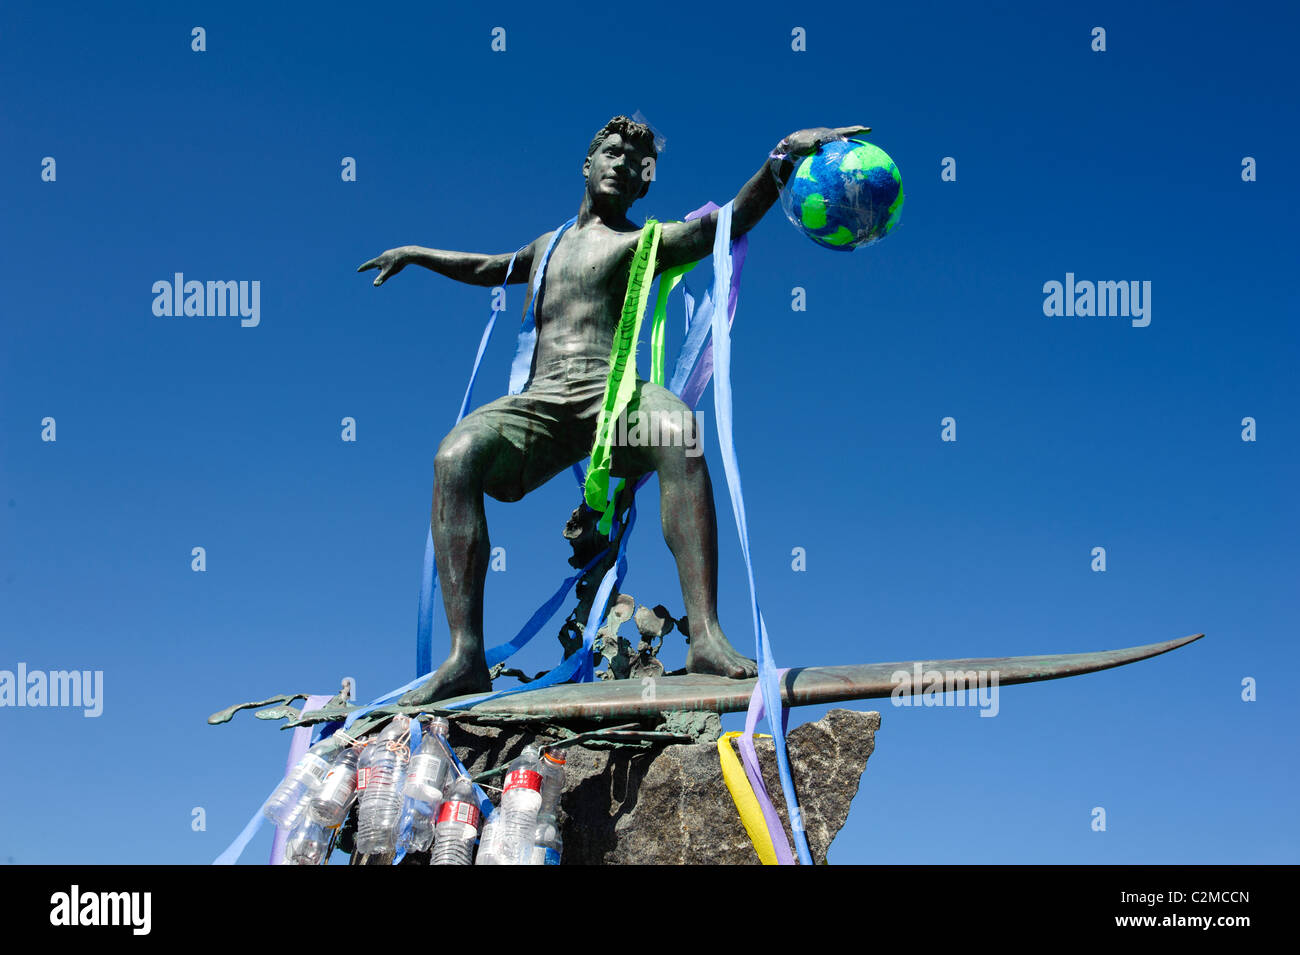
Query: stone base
x=669, y=805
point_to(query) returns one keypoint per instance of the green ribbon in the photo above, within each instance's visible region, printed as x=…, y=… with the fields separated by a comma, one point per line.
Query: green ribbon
x=667, y=282
x=620, y=385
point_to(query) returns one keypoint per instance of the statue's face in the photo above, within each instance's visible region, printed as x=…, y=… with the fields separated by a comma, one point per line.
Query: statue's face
x=613, y=173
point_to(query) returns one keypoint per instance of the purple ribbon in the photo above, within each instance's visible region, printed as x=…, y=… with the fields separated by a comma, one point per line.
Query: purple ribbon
x=750, y=760
x=297, y=749
x=699, y=370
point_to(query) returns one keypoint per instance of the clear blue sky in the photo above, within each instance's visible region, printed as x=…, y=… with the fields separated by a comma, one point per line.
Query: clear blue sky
x=1073, y=433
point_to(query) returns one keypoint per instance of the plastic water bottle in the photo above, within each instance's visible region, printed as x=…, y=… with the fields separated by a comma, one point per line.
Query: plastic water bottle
x=288, y=802
x=364, y=764
x=416, y=827
x=308, y=843
x=457, y=826
x=520, y=800
x=489, y=841
x=547, y=844
x=330, y=805
x=380, y=776
x=552, y=769
x=427, y=774
x=426, y=778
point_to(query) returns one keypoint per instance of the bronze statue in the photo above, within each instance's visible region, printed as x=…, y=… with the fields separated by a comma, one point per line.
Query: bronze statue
x=513, y=445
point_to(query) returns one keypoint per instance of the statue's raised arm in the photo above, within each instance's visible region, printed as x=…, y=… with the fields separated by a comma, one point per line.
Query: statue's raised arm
x=682, y=242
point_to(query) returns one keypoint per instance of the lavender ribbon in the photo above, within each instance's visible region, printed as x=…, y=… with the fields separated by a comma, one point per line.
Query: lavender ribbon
x=695, y=361
x=750, y=760
x=297, y=749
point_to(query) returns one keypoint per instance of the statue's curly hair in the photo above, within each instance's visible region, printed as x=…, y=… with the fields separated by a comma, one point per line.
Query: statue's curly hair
x=638, y=134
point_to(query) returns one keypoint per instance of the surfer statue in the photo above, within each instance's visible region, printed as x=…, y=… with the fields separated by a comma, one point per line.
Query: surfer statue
x=517, y=443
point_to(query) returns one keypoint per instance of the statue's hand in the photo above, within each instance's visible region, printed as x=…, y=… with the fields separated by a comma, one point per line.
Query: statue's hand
x=389, y=263
x=807, y=141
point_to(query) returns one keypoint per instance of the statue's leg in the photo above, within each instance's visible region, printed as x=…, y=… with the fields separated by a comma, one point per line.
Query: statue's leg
x=506, y=448
x=667, y=441
x=472, y=459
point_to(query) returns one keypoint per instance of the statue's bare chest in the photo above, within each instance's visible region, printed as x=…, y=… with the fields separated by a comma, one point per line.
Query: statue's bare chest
x=587, y=271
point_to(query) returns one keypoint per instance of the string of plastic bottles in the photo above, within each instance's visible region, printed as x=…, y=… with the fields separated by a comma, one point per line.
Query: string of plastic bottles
x=417, y=802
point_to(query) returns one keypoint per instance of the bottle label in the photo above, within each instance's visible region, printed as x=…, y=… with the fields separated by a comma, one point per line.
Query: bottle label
x=423, y=767
x=363, y=777
x=339, y=778
x=458, y=812
x=339, y=785
x=315, y=766
x=523, y=779
x=552, y=857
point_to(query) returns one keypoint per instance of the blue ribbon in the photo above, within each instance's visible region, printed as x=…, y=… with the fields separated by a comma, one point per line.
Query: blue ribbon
x=697, y=333
x=236, y=848
x=545, y=612
x=722, y=406
x=523, y=363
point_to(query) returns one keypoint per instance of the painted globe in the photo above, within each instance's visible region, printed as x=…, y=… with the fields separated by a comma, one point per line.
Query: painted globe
x=847, y=194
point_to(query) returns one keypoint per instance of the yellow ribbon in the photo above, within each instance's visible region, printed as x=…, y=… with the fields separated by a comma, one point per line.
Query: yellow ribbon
x=742, y=794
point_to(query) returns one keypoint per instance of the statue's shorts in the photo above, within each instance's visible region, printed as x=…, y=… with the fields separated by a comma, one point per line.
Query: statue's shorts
x=552, y=425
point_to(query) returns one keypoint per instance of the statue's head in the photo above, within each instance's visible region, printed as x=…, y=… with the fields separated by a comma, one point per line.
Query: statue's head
x=616, y=169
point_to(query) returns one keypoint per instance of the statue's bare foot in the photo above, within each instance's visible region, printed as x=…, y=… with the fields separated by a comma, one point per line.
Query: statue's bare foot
x=711, y=652
x=460, y=674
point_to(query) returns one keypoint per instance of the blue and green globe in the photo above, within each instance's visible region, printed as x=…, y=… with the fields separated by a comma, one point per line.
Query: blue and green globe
x=847, y=194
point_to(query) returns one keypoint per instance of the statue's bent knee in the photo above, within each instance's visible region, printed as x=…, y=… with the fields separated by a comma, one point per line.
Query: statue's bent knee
x=457, y=454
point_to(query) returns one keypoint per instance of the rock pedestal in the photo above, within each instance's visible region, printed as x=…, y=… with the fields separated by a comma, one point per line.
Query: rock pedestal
x=669, y=804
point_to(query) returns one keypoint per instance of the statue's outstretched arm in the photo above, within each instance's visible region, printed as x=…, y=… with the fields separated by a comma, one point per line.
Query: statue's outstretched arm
x=472, y=268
